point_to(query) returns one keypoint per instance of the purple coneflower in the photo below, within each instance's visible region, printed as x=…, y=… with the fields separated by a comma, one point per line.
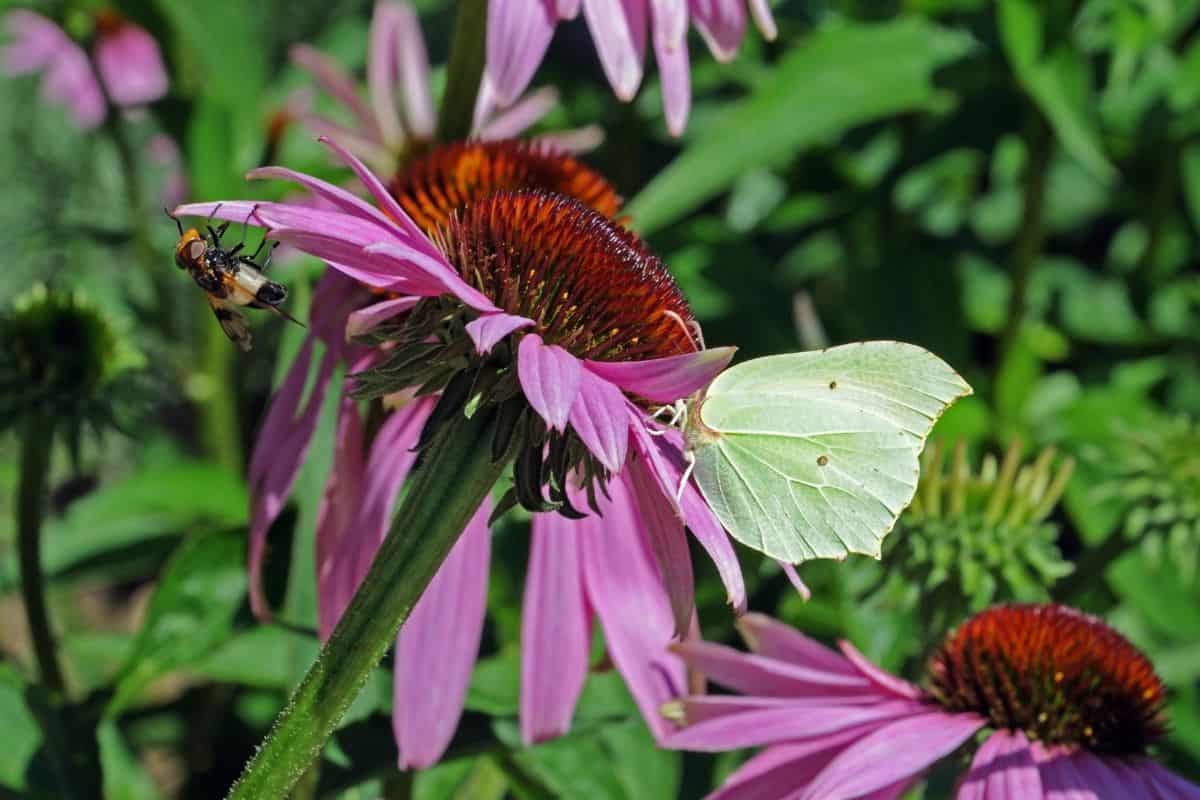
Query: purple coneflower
x=1069, y=705
x=398, y=120
x=127, y=58
x=519, y=31
x=539, y=303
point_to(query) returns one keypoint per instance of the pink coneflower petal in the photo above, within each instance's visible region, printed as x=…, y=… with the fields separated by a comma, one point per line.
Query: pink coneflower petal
x=437, y=647
x=760, y=11
x=130, y=63
x=278, y=455
x=722, y=24
x=771, y=638
x=579, y=140
x=567, y=9
x=382, y=71
x=427, y=275
x=884, y=680
x=35, y=42
x=70, y=81
x=668, y=541
x=674, y=70
x=412, y=62
x=1166, y=784
x=338, y=505
x=697, y=709
x=1003, y=769
x=769, y=726
x=524, y=113
x=769, y=677
x=619, y=32
x=625, y=590
x=518, y=33
x=794, y=579
x=336, y=81
x=777, y=771
x=895, y=752
x=487, y=331
x=555, y=629
x=354, y=141
x=549, y=377
x=367, y=319
x=599, y=418
x=338, y=198
x=664, y=380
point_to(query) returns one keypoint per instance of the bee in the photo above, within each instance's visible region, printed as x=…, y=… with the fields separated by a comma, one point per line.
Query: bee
x=230, y=279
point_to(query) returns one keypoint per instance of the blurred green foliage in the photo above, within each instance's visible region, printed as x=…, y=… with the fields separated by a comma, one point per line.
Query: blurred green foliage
x=1013, y=185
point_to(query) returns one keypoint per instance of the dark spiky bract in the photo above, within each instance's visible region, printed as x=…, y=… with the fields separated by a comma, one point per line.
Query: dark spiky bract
x=452, y=176
x=1058, y=675
x=593, y=287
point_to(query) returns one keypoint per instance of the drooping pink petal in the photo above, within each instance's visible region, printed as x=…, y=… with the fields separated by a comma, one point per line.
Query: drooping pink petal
x=881, y=678
x=699, y=708
x=722, y=24
x=794, y=579
x=414, y=269
x=626, y=592
x=412, y=62
x=512, y=122
x=338, y=82
x=577, y=140
x=780, y=770
x=382, y=72
x=549, y=378
x=555, y=629
x=1098, y=777
x=665, y=380
x=518, y=33
x=436, y=649
x=771, y=638
x=1003, y=769
x=339, y=503
x=664, y=532
x=598, y=417
x=130, y=64
x=1167, y=784
x=671, y=53
x=567, y=9
x=278, y=455
x=367, y=319
x=388, y=464
x=34, y=42
x=619, y=32
x=760, y=675
x=803, y=722
x=487, y=331
x=760, y=10
x=231, y=210
x=361, y=145
x=895, y=752
x=39, y=44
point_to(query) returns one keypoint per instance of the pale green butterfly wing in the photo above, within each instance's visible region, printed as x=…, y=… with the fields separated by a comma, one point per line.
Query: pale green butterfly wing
x=814, y=455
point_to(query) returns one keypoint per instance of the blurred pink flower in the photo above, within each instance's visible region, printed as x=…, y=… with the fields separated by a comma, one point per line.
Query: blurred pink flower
x=519, y=31
x=38, y=45
x=400, y=116
x=128, y=60
x=638, y=580
x=126, y=56
x=1070, y=703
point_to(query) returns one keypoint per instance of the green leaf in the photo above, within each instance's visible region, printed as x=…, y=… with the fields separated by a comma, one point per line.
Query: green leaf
x=168, y=495
x=814, y=455
x=190, y=614
x=22, y=735
x=840, y=77
x=124, y=778
x=264, y=657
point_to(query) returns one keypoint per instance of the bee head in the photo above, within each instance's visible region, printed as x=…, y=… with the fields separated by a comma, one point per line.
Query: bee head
x=190, y=249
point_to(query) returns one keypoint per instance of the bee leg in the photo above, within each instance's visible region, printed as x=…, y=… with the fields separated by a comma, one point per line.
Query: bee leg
x=237, y=247
x=178, y=224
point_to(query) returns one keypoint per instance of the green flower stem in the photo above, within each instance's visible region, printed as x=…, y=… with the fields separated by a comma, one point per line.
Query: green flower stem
x=464, y=72
x=31, y=499
x=441, y=497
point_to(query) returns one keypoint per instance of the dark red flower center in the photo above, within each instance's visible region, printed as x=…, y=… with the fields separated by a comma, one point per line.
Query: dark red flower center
x=1059, y=675
x=591, y=286
x=108, y=21
x=450, y=176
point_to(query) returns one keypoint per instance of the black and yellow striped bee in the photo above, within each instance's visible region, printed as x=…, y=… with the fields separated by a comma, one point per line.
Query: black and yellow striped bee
x=230, y=279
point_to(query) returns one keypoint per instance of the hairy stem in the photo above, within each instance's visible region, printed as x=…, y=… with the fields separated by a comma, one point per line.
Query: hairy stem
x=442, y=495
x=31, y=498
x=464, y=72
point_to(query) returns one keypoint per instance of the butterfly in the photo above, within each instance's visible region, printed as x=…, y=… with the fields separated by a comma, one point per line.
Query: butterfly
x=815, y=454
x=230, y=279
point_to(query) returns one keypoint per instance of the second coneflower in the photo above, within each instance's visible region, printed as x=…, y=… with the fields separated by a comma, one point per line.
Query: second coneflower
x=1070, y=707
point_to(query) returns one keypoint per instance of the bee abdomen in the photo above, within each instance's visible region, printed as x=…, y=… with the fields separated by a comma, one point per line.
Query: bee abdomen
x=271, y=293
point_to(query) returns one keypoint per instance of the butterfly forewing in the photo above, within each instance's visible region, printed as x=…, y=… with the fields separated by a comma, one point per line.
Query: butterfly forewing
x=816, y=453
